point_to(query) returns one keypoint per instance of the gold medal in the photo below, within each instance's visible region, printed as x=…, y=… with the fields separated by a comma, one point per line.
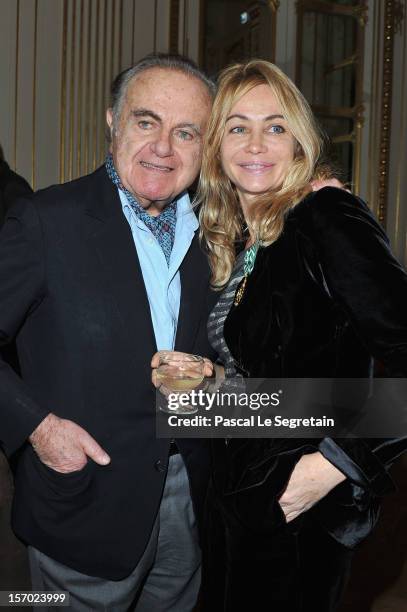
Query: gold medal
x=249, y=260
x=240, y=291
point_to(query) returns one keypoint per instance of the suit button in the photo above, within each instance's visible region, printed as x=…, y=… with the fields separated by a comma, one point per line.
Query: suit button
x=159, y=466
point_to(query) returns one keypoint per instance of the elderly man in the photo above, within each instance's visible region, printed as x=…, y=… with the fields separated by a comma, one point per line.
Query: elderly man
x=95, y=276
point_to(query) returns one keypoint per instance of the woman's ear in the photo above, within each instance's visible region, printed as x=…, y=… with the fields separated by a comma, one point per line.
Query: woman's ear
x=298, y=150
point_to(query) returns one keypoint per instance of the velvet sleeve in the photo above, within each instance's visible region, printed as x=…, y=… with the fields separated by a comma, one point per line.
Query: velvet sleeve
x=370, y=285
x=21, y=290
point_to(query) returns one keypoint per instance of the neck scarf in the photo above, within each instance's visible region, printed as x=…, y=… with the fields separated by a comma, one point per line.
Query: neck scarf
x=162, y=227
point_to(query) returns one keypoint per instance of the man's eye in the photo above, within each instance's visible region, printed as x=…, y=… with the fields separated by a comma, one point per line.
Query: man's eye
x=238, y=130
x=144, y=125
x=276, y=129
x=184, y=135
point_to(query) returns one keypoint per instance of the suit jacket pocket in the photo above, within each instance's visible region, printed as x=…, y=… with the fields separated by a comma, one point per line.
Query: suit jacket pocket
x=55, y=484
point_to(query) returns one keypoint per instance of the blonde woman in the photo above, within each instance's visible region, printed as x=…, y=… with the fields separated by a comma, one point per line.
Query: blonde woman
x=308, y=296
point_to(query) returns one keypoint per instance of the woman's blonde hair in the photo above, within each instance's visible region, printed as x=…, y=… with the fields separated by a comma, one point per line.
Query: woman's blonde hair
x=220, y=214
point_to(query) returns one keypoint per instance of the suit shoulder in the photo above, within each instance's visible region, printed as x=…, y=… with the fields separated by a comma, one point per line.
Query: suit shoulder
x=67, y=195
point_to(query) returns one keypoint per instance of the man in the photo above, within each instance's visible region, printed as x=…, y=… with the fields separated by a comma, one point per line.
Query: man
x=95, y=276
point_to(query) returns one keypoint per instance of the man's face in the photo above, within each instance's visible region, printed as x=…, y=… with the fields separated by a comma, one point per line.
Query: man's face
x=157, y=142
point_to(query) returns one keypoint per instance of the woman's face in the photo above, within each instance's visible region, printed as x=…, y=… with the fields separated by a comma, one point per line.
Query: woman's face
x=257, y=147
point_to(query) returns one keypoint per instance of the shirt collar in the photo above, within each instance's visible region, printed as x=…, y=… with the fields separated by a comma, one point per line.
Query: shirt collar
x=185, y=212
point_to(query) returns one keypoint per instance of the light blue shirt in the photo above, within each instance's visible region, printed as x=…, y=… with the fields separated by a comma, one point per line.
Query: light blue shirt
x=162, y=282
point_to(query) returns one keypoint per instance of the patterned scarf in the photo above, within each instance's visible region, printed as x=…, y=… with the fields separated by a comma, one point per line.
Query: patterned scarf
x=162, y=227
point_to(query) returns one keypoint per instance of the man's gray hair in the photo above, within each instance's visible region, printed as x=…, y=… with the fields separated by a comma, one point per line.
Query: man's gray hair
x=178, y=63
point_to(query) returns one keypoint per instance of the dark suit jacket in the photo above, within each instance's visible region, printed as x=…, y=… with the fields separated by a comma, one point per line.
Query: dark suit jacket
x=321, y=300
x=72, y=292
x=12, y=186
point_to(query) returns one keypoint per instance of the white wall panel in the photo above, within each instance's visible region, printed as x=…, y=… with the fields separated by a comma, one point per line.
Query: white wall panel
x=57, y=60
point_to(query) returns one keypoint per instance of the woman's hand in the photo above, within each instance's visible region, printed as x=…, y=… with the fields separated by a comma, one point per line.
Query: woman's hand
x=155, y=362
x=312, y=478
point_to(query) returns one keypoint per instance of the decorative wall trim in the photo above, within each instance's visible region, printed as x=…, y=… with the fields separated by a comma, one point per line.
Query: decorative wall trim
x=155, y=26
x=121, y=35
x=133, y=38
x=34, y=121
x=60, y=57
x=88, y=89
x=63, y=92
x=81, y=84
x=400, y=169
x=174, y=26
x=16, y=82
x=185, y=42
x=355, y=112
x=387, y=76
x=274, y=5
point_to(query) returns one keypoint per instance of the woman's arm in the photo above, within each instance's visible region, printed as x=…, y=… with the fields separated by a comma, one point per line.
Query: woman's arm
x=370, y=285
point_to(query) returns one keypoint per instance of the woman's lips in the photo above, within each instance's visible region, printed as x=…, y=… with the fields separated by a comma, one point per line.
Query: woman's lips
x=256, y=167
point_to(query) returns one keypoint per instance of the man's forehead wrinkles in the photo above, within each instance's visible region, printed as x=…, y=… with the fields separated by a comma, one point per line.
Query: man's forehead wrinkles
x=176, y=122
x=145, y=112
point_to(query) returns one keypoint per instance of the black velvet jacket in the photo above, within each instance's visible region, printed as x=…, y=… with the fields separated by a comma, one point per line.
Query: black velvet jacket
x=321, y=301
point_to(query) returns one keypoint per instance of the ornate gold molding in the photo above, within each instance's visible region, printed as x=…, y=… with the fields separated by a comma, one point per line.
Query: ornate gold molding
x=133, y=38
x=274, y=5
x=16, y=82
x=398, y=15
x=155, y=25
x=361, y=14
x=355, y=110
x=34, y=108
x=62, y=122
x=387, y=87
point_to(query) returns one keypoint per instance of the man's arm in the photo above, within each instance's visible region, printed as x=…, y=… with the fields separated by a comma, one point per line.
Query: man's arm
x=59, y=443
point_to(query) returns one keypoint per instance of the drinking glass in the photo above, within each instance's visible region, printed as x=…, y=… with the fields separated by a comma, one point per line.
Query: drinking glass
x=180, y=373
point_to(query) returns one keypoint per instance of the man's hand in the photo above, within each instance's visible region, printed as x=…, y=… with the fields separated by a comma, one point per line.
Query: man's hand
x=312, y=478
x=64, y=446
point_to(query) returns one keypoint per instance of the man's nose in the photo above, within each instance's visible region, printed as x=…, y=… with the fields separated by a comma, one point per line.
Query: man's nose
x=256, y=142
x=162, y=145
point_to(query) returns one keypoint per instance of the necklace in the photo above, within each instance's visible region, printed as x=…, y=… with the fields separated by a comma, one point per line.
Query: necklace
x=249, y=259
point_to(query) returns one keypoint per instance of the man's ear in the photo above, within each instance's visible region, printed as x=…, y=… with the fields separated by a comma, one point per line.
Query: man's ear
x=109, y=128
x=109, y=121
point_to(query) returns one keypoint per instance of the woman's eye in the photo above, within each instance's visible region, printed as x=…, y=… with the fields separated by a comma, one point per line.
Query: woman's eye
x=276, y=129
x=237, y=130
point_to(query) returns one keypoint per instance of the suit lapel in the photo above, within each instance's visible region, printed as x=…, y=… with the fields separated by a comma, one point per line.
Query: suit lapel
x=111, y=236
x=194, y=276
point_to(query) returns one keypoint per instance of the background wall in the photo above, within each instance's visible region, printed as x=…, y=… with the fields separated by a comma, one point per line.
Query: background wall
x=382, y=179
x=58, y=58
